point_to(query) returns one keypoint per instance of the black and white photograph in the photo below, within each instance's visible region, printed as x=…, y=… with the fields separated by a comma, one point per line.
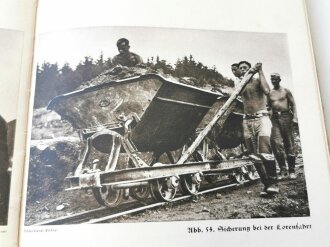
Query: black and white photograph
x=142, y=124
x=11, y=43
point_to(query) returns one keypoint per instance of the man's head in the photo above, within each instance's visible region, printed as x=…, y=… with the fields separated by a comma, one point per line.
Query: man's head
x=236, y=71
x=123, y=45
x=244, y=66
x=275, y=79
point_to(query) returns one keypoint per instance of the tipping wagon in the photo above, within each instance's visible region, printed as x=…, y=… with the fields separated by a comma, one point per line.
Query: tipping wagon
x=156, y=135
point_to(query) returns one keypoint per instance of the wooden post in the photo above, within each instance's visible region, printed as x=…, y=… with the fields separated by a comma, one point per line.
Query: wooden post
x=220, y=113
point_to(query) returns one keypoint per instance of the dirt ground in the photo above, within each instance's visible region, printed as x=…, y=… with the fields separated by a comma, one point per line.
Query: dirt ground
x=71, y=201
x=239, y=203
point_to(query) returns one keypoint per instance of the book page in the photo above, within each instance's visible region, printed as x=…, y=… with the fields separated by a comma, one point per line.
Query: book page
x=16, y=45
x=320, y=26
x=136, y=138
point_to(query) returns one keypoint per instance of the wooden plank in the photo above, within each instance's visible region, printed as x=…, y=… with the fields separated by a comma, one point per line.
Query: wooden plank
x=220, y=114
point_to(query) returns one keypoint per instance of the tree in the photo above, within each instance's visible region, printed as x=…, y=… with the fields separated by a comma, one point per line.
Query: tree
x=108, y=64
x=47, y=79
x=100, y=64
x=70, y=80
x=52, y=81
x=86, y=69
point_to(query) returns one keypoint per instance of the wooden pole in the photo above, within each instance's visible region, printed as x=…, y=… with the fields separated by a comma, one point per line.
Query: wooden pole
x=220, y=113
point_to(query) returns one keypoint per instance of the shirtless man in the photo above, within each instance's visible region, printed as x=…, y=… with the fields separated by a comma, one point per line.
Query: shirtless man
x=257, y=127
x=284, y=116
x=125, y=57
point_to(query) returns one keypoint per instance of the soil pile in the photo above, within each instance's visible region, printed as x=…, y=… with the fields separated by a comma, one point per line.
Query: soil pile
x=122, y=72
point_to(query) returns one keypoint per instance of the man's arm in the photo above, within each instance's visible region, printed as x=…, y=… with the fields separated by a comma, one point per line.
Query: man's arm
x=263, y=82
x=139, y=59
x=292, y=105
x=269, y=103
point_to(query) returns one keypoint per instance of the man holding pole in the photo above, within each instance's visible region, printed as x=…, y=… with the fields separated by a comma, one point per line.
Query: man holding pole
x=257, y=126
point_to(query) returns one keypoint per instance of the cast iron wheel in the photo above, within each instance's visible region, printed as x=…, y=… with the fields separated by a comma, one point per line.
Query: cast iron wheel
x=140, y=193
x=164, y=189
x=108, y=197
x=191, y=183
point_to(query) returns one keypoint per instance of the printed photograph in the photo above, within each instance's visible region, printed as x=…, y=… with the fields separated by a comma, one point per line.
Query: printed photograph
x=137, y=124
x=11, y=44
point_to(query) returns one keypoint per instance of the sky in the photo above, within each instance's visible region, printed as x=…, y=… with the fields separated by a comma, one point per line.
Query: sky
x=11, y=45
x=219, y=48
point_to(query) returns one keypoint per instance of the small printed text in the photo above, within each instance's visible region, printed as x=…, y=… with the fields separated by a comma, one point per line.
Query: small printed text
x=250, y=228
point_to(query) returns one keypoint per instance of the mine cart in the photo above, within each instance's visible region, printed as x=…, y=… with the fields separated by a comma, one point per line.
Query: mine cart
x=157, y=136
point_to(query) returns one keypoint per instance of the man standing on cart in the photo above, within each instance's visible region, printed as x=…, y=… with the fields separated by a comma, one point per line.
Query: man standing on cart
x=257, y=126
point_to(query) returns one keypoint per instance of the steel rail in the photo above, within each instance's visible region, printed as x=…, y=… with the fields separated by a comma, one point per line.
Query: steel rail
x=158, y=204
x=87, y=214
x=79, y=216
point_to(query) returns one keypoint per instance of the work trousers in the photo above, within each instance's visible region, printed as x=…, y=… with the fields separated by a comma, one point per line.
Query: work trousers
x=257, y=132
x=282, y=140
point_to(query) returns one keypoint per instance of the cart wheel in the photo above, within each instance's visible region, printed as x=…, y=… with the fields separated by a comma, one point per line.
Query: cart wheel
x=212, y=179
x=164, y=189
x=204, y=155
x=238, y=176
x=191, y=183
x=140, y=193
x=108, y=197
x=252, y=173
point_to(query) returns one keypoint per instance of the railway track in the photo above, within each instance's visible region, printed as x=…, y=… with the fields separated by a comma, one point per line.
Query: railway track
x=104, y=214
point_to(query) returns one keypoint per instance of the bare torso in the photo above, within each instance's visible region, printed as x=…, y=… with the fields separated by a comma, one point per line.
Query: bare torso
x=253, y=97
x=127, y=59
x=278, y=99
